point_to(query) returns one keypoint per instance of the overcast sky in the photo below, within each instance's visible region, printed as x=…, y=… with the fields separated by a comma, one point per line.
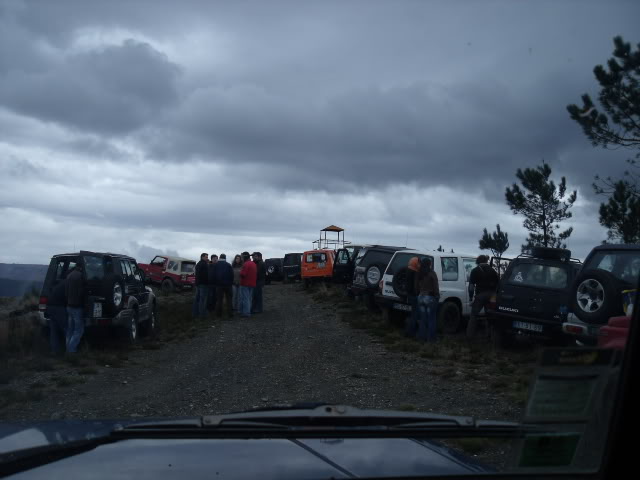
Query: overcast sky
x=182, y=127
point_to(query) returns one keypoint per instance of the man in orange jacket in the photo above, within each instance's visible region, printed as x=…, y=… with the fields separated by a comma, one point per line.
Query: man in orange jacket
x=248, y=278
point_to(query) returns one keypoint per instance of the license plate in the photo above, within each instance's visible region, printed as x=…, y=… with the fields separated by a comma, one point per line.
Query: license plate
x=97, y=310
x=402, y=306
x=360, y=279
x=527, y=326
x=322, y=264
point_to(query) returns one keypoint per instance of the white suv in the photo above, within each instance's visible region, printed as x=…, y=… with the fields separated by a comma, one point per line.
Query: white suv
x=453, y=271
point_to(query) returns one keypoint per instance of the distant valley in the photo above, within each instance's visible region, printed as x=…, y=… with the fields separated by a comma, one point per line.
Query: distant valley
x=17, y=279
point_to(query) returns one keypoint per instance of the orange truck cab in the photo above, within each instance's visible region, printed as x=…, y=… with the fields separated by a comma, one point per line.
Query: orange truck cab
x=317, y=265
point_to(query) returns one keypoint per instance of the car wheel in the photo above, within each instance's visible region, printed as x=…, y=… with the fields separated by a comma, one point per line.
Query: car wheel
x=399, y=282
x=373, y=275
x=449, y=318
x=148, y=328
x=167, y=286
x=596, y=297
x=130, y=331
x=114, y=293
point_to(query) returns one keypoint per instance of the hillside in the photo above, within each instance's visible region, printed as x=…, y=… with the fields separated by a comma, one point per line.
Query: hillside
x=17, y=279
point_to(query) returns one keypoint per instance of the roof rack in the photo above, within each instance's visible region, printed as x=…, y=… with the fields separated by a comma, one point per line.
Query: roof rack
x=570, y=259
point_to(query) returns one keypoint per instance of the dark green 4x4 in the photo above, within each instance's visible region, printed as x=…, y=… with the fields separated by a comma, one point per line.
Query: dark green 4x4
x=533, y=297
x=115, y=293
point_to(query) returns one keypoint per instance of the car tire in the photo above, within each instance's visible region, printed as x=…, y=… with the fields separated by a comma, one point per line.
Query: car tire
x=449, y=318
x=596, y=296
x=148, y=328
x=167, y=286
x=129, y=332
x=399, y=282
x=114, y=293
x=373, y=267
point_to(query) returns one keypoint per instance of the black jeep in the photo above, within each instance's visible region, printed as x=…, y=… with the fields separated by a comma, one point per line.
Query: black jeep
x=533, y=297
x=274, y=270
x=115, y=293
x=369, y=266
x=597, y=293
x=291, y=264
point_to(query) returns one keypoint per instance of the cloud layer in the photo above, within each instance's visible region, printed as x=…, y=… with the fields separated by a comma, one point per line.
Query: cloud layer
x=211, y=127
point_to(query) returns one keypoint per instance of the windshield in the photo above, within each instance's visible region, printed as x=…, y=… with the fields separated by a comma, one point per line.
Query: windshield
x=210, y=207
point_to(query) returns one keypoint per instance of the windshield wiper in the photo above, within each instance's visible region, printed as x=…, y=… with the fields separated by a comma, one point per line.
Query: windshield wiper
x=329, y=419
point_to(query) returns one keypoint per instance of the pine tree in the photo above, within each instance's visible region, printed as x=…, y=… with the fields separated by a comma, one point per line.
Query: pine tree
x=497, y=242
x=621, y=215
x=543, y=205
x=616, y=125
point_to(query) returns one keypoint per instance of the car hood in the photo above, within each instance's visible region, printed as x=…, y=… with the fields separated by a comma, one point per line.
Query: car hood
x=223, y=458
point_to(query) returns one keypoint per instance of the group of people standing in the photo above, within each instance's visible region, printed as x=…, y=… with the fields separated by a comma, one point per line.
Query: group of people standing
x=423, y=294
x=236, y=287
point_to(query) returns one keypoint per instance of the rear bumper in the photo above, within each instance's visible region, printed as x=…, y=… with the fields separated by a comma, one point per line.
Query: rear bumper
x=505, y=322
x=581, y=332
x=122, y=318
x=394, y=303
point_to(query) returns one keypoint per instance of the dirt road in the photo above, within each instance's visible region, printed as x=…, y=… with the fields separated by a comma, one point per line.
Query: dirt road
x=299, y=350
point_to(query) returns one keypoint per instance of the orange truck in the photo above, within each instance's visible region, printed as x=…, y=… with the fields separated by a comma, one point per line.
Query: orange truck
x=317, y=265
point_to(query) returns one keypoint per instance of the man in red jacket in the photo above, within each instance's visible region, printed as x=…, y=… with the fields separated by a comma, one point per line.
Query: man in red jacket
x=248, y=278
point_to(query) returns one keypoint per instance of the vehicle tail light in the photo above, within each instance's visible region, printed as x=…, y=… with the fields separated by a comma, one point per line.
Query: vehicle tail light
x=575, y=329
x=43, y=303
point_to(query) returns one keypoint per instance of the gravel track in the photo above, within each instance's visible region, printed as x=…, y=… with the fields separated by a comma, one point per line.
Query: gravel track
x=299, y=350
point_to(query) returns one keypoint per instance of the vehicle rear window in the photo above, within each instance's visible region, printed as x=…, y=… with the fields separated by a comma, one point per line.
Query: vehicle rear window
x=316, y=257
x=188, y=267
x=361, y=255
x=59, y=268
x=293, y=259
x=94, y=267
x=401, y=260
x=624, y=265
x=535, y=275
x=376, y=257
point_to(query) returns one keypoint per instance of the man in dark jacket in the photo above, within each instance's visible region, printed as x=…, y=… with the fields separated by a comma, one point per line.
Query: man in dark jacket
x=411, y=322
x=74, y=292
x=211, y=293
x=483, y=282
x=224, y=286
x=57, y=313
x=202, y=285
x=256, y=306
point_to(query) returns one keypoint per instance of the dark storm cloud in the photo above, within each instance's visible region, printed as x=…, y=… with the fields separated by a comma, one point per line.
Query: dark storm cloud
x=270, y=120
x=112, y=90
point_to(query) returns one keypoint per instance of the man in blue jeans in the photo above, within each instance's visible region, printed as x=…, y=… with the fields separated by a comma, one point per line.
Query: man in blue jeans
x=199, y=308
x=74, y=291
x=428, y=299
x=248, y=278
x=411, y=322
